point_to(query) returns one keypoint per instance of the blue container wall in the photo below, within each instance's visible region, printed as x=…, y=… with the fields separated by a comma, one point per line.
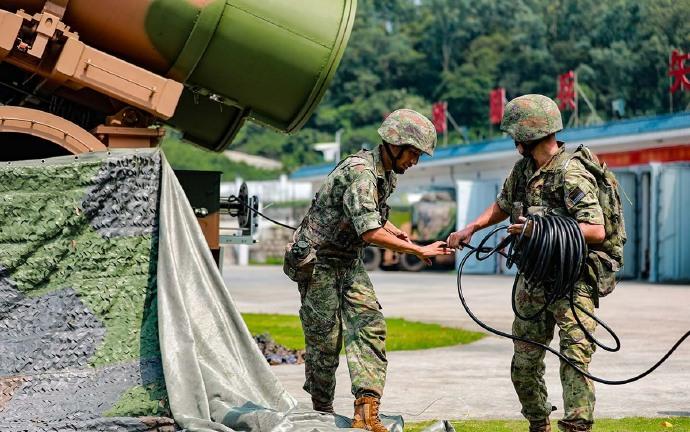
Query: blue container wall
x=473, y=197
x=672, y=258
x=627, y=181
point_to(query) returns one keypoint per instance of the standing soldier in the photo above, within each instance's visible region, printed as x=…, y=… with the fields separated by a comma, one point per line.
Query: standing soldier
x=338, y=299
x=542, y=182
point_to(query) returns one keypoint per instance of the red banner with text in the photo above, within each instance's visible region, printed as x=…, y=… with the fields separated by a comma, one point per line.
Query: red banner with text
x=497, y=102
x=678, y=71
x=438, y=112
x=566, y=91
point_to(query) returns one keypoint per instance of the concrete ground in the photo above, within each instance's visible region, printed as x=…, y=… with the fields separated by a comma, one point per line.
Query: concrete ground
x=473, y=381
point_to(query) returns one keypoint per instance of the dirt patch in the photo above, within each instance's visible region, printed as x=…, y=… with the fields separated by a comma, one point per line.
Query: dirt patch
x=276, y=354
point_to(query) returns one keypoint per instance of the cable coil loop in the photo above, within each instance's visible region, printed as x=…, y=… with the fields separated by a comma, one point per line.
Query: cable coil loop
x=550, y=254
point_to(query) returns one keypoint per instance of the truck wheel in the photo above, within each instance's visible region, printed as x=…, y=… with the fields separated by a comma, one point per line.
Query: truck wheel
x=372, y=258
x=410, y=263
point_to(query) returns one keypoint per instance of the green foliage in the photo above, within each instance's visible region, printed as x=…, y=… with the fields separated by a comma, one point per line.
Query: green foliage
x=142, y=401
x=413, y=52
x=402, y=335
x=185, y=156
x=410, y=53
x=50, y=245
x=631, y=424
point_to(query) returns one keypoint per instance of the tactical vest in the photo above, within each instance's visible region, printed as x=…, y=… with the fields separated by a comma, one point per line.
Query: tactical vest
x=603, y=260
x=333, y=241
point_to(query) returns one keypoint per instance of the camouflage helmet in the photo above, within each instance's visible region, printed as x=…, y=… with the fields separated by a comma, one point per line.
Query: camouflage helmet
x=530, y=117
x=407, y=127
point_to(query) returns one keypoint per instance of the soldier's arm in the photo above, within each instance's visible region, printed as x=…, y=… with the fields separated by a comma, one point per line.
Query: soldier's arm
x=582, y=202
x=495, y=213
x=491, y=216
x=360, y=203
x=396, y=231
x=381, y=237
x=594, y=234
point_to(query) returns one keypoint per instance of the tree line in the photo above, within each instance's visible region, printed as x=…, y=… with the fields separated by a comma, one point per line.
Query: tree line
x=414, y=52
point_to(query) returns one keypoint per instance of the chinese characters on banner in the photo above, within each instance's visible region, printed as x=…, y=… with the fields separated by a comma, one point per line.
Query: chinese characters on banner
x=566, y=91
x=438, y=112
x=677, y=71
x=497, y=101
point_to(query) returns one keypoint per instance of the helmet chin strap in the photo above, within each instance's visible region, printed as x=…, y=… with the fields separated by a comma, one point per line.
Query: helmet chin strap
x=394, y=159
x=528, y=148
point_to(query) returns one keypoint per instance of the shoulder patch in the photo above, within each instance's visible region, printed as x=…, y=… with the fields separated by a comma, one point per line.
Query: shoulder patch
x=576, y=195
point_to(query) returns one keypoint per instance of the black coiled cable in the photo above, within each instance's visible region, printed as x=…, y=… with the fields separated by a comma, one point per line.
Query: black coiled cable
x=551, y=257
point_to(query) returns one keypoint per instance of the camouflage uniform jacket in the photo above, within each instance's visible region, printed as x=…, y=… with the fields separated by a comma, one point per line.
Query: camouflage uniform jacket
x=351, y=201
x=553, y=188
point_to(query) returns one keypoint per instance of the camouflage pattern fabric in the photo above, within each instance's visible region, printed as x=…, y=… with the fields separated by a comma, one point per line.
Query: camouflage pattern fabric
x=530, y=117
x=339, y=303
x=78, y=315
x=572, y=192
x=527, y=368
x=339, y=296
x=568, y=192
x=408, y=127
x=351, y=201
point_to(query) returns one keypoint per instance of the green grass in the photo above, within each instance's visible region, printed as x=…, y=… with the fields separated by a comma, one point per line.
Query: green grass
x=271, y=260
x=631, y=424
x=402, y=335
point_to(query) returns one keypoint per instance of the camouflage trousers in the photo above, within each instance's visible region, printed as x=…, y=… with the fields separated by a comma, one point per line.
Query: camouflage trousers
x=339, y=303
x=527, y=368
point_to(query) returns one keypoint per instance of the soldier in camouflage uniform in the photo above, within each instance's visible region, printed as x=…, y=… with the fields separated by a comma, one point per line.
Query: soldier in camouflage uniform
x=338, y=300
x=542, y=182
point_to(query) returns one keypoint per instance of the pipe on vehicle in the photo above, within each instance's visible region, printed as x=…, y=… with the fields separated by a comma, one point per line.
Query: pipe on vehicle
x=270, y=60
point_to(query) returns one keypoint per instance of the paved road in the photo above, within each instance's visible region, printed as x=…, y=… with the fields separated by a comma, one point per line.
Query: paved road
x=472, y=381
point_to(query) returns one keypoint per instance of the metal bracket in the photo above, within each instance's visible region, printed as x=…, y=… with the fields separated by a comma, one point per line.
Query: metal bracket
x=241, y=206
x=237, y=239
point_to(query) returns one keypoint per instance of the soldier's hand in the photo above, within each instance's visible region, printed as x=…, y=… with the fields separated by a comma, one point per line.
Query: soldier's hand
x=518, y=227
x=460, y=238
x=434, y=249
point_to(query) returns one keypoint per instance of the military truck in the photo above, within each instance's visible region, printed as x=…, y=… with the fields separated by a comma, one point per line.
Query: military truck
x=78, y=76
x=426, y=215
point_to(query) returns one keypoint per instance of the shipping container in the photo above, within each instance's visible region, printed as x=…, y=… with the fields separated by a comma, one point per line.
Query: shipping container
x=627, y=180
x=670, y=234
x=473, y=197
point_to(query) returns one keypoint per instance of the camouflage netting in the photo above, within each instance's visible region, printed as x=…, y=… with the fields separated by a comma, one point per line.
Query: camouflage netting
x=112, y=314
x=78, y=320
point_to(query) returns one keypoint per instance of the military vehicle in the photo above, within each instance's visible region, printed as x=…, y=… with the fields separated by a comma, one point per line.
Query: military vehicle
x=79, y=76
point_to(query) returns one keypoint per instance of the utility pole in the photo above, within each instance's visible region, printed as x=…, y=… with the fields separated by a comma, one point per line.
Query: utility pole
x=445, y=129
x=670, y=84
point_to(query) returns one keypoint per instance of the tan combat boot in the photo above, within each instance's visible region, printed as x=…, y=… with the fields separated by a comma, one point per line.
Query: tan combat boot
x=367, y=414
x=574, y=426
x=543, y=425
